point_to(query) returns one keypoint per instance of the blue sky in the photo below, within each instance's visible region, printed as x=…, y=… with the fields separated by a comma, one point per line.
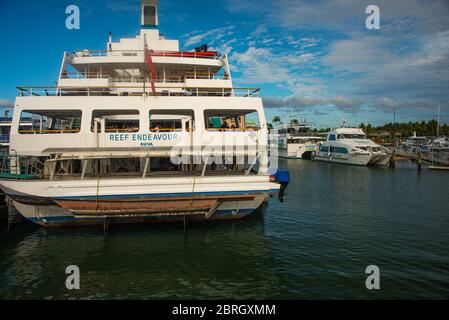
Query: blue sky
x=315, y=55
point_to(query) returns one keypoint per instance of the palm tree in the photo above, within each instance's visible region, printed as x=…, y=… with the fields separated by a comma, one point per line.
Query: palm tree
x=276, y=119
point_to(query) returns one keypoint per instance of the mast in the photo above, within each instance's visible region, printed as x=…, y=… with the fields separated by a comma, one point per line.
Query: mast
x=438, y=122
x=150, y=23
x=394, y=127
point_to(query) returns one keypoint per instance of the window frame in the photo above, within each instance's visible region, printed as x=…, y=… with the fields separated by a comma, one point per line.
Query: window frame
x=48, y=131
x=188, y=113
x=118, y=130
x=207, y=116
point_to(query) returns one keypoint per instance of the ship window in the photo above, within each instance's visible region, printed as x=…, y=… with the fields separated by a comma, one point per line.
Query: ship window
x=351, y=136
x=50, y=121
x=324, y=149
x=339, y=150
x=115, y=121
x=172, y=120
x=332, y=137
x=231, y=120
x=149, y=13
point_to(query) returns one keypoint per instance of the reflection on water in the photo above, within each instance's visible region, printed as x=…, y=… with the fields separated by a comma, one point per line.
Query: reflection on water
x=229, y=259
x=336, y=221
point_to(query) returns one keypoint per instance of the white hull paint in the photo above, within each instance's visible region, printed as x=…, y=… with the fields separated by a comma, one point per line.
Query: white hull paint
x=355, y=160
x=296, y=151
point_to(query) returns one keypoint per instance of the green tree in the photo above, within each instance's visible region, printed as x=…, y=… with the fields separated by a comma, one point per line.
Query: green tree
x=276, y=120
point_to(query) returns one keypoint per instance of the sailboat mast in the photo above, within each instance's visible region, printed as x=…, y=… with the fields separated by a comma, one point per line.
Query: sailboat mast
x=438, y=122
x=394, y=128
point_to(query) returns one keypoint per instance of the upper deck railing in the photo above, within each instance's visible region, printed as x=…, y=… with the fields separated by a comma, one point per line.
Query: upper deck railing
x=166, y=79
x=139, y=91
x=140, y=53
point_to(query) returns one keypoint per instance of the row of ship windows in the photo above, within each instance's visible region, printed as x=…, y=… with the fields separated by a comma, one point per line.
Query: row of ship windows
x=69, y=121
x=333, y=149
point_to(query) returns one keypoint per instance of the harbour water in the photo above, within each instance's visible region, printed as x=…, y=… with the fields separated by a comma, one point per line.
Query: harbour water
x=336, y=220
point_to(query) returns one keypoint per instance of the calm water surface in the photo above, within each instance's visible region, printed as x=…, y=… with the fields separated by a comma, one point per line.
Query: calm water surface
x=336, y=221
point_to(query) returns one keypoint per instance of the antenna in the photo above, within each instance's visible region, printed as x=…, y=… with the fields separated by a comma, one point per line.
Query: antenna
x=343, y=120
x=438, y=123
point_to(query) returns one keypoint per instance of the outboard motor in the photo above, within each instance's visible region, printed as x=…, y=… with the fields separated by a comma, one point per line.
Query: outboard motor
x=283, y=178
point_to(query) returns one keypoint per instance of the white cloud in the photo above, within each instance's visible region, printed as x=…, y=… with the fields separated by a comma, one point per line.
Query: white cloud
x=405, y=63
x=341, y=15
x=213, y=36
x=371, y=68
x=264, y=65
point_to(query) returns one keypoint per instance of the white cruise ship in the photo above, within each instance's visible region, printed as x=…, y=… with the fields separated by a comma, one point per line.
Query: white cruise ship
x=139, y=132
x=350, y=146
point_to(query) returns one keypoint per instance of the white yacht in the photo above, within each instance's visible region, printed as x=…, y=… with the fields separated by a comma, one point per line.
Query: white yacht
x=350, y=146
x=296, y=140
x=139, y=132
x=413, y=143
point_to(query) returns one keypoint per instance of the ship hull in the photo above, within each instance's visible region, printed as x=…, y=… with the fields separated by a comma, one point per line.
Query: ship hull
x=297, y=151
x=355, y=160
x=209, y=202
x=55, y=216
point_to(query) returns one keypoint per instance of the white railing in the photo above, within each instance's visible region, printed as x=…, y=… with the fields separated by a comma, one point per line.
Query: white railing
x=138, y=91
x=179, y=79
x=138, y=53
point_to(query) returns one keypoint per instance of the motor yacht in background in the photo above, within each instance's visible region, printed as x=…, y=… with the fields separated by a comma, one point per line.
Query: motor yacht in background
x=412, y=144
x=139, y=132
x=296, y=140
x=350, y=146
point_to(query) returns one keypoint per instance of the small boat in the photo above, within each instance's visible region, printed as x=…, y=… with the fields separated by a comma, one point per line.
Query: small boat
x=350, y=146
x=441, y=168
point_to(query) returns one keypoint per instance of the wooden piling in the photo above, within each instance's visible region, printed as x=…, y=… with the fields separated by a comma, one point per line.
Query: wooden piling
x=419, y=160
x=105, y=226
x=393, y=160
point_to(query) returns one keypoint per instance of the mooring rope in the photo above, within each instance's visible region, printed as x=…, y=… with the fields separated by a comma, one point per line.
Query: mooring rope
x=98, y=191
x=193, y=190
